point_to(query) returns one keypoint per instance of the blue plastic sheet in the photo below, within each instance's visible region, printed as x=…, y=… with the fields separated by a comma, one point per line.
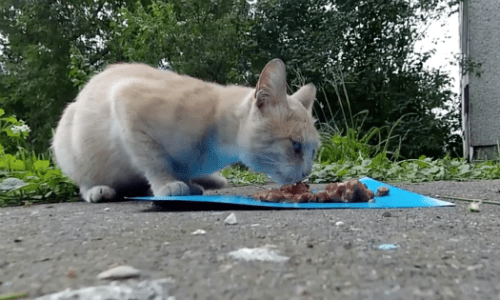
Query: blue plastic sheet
x=397, y=198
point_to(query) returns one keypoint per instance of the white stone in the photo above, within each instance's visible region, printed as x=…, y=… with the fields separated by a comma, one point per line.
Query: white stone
x=198, y=231
x=474, y=206
x=262, y=254
x=106, y=209
x=474, y=267
x=120, y=272
x=339, y=223
x=231, y=219
x=150, y=289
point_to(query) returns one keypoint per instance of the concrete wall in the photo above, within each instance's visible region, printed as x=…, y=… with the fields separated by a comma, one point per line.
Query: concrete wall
x=482, y=45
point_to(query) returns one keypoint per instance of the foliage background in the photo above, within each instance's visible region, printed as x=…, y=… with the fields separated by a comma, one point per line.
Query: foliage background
x=359, y=53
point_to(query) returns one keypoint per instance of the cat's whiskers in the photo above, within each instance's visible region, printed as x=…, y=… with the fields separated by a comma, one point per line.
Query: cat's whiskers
x=272, y=162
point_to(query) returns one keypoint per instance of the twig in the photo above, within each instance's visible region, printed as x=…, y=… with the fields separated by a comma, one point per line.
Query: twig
x=469, y=200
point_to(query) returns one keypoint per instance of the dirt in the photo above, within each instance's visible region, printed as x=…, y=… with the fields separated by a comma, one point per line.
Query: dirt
x=442, y=253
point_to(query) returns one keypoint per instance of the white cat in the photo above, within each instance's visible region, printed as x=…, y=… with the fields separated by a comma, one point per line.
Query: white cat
x=134, y=129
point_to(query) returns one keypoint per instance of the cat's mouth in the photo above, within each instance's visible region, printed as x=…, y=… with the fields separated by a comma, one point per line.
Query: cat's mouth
x=284, y=180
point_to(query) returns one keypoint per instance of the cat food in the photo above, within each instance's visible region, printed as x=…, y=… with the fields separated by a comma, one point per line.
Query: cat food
x=382, y=191
x=293, y=193
x=348, y=191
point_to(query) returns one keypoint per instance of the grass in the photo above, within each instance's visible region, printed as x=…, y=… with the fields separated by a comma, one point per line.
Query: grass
x=25, y=177
x=238, y=174
x=381, y=168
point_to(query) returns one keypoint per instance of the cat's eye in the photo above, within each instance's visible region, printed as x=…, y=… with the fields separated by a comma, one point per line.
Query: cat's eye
x=297, y=147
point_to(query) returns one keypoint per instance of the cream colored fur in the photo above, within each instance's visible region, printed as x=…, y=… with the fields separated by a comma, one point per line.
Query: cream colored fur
x=134, y=127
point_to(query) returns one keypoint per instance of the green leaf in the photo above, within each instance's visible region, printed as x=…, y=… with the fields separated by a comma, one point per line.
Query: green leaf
x=18, y=165
x=11, y=133
x=11, y=183
x=434, y=169
x=464, y=169
x=41, y=165
x=11, y=119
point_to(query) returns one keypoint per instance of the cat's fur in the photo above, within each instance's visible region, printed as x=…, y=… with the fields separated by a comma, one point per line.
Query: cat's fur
x=134, y=127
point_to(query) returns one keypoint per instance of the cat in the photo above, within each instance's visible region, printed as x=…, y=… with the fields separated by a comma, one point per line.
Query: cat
x=135, y=130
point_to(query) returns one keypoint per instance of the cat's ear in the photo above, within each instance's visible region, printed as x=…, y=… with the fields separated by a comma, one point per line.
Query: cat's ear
x=271, y=88
x=306, y=95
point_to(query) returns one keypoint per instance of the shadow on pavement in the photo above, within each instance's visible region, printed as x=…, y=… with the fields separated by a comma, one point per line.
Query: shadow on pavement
x=176, y=206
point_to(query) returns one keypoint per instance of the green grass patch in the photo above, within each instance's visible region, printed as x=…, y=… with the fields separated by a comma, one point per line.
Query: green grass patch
x=411, y=170
x=240, y=175
x=27, y=178
x=381, y=168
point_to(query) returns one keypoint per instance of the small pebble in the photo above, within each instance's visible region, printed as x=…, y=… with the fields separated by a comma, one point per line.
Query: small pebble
x=121, y=272
x=386, y=214
x=106, y=209
x=339, y=223
x=448, y=292
x=474, y=267
x=71, y=274
x=198, y=231
x=231, y=219
x=474, y=206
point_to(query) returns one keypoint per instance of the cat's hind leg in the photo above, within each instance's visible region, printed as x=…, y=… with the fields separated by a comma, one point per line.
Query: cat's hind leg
x=97, y=193
x=211, y=182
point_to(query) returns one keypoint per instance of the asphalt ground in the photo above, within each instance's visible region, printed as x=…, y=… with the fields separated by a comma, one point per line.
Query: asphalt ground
x=442, y=253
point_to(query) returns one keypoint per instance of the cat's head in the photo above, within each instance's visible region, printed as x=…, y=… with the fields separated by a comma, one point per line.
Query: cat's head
x=279, y=136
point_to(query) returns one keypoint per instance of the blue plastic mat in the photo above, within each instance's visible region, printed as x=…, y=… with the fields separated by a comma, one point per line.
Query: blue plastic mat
x=397, y=198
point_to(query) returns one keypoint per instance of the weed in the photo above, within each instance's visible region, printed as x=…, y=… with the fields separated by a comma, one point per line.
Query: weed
x=25, y=177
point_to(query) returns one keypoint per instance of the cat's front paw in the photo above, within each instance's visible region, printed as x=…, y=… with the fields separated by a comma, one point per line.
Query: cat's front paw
x=174, y=188
x=98, y=193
